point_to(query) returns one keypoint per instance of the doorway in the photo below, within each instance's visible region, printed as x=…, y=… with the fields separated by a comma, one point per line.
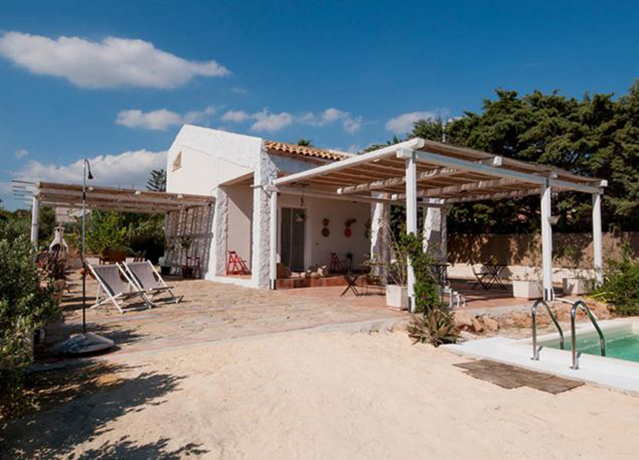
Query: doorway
x=292, y=238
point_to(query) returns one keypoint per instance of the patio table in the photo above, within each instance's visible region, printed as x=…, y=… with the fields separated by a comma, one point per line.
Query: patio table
x=351, y=279
x=491, y=277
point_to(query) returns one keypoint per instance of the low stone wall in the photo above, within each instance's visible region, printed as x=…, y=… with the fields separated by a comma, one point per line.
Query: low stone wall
x=570, y=250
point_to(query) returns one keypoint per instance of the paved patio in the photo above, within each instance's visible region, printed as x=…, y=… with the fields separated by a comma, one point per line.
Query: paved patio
x=212, y=311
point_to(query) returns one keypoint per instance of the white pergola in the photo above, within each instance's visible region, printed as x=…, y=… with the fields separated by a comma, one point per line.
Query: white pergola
x=433, y=174
x=108, y=199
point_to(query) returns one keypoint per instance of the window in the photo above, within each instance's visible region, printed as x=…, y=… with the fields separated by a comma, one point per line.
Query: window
x=177, y=163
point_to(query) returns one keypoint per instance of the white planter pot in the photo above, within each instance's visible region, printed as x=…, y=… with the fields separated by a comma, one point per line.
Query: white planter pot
x=397, y=297
x=577, y=286
x=527, y=290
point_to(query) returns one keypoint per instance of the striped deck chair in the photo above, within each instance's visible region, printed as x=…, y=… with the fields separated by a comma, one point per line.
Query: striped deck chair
x=146, y=278
x=117, y=291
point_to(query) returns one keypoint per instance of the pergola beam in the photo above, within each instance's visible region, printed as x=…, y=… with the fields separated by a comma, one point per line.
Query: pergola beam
x=439, y=192
x=470, y=166
x=422, y=176
x=327, y=195
x=350, y=162
x=494, y=196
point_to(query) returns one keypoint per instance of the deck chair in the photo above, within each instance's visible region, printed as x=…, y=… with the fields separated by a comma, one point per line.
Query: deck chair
x=146, y=278
x=117, y=292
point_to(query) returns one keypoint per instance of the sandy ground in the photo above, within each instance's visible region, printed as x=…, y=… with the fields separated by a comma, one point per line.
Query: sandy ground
x=303, y=395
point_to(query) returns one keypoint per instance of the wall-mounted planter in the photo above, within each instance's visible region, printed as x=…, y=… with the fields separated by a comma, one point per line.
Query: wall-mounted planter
x=397, y=297
x=577, y=286
x=527, y=290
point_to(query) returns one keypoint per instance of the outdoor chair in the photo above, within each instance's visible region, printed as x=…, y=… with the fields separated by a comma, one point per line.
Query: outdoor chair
x=235, y=265
x=110, y=281
x=146, y=278
x=480, y=275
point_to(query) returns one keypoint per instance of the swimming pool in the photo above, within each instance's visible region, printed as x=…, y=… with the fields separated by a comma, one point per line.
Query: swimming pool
x=622, y=342
x=618, y=370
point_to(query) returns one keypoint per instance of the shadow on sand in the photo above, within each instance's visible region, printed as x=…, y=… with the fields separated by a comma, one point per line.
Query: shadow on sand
x=76, y=406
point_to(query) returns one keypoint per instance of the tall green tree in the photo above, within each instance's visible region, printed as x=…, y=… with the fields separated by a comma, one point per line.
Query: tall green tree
x=305, y=142
x=595, y=136
x=157, y=181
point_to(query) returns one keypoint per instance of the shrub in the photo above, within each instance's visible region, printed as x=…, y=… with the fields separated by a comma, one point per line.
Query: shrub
x=621, y=285
x=24, y=307
x=435, y=325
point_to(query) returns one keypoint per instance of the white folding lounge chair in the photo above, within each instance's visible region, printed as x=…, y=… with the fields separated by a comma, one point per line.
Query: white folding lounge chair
x=118, y=292
x=146, y=278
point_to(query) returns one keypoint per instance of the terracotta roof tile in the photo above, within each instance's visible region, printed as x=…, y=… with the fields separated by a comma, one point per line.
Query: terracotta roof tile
x=312, y=152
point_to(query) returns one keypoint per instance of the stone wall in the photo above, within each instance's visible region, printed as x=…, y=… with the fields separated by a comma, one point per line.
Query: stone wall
x=570, y=250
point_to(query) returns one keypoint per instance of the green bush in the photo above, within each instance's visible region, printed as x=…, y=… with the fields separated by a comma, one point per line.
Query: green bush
x=24, y=307
x=432, y=323
x=621, y=285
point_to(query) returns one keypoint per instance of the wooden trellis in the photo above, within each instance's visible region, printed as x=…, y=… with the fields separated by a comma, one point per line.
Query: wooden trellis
x=189, y=233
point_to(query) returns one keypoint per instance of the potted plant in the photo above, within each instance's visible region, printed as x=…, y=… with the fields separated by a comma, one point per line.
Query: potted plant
x=527, y=286
x=578, y=284
x=397, y=270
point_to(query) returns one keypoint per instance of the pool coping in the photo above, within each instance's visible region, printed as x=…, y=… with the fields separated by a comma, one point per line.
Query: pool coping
x=613, y=373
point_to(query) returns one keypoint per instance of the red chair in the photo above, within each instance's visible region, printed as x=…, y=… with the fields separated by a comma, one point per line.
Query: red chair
x=336, y=264
x=235, y=265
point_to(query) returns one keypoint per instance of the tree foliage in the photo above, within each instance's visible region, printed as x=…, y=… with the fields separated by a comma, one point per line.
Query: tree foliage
x=157, y=181
x=595, y=136
x=24, y=306
x=305, y=142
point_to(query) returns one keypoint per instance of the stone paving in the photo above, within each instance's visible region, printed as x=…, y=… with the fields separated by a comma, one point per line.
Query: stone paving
x=213, y=311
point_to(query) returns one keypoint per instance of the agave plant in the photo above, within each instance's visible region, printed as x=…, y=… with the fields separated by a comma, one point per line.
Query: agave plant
x=435, y=326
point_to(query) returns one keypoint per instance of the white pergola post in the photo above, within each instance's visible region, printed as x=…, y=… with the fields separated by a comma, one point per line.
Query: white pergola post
x=380, y=244
x=444, y=234
x=597, y=238
x=35, y=219
x=435, y=230
x=546, y=241
x=273, y=242
x=411, y=215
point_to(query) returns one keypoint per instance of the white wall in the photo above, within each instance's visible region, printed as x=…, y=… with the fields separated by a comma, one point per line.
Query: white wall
x=209, y=158
x=318, y=247
x=240, y=219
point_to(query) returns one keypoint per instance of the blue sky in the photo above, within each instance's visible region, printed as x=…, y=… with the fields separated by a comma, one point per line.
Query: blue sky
x=112, y=81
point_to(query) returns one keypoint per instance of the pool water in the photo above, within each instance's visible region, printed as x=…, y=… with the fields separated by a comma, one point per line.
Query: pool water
x=620, y=345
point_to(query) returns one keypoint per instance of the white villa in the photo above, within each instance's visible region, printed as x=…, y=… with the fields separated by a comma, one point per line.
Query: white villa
x=278, y=205
x=236, y=169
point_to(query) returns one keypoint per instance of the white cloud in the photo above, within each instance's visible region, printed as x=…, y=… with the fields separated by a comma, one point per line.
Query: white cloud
x=21, y=153
x=160, y=119
x=266, y=121
x=110, y=63
x=236, y=116
x=240, y=91
x=331, y=115
x=404, y=123
x=124, y=169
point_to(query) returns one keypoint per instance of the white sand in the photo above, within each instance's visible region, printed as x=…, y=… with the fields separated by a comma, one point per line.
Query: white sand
x=336, y=396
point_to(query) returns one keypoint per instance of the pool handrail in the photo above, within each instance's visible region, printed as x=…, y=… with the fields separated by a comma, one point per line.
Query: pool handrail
x=573, y=332
x=533, y=314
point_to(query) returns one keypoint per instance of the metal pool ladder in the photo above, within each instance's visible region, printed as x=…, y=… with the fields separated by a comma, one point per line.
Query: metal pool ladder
x=573, y=335
x=533, y=313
